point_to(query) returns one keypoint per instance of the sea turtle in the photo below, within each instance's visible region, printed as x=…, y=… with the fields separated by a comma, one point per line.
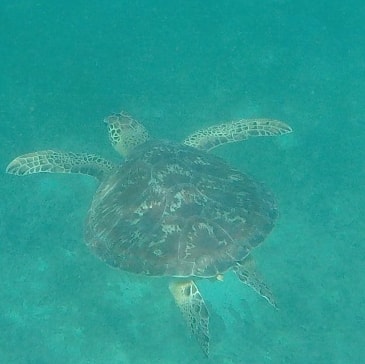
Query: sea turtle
x=172, y=209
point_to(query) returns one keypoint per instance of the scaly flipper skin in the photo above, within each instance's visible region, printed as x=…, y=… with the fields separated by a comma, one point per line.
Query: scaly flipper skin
x=235, y=131
x=246, y=274
x=194, y=310
x=50, y=161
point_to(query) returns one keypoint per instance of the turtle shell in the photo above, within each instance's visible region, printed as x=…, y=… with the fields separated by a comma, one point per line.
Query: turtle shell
x=173, y=210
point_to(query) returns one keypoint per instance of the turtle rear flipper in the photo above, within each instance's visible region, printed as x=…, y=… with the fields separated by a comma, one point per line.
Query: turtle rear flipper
x=194, y=310
x=247, y=274
x=235, y=131
x=50, y=161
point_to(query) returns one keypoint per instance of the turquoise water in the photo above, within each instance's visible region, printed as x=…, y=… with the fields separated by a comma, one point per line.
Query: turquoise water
x=178, y=66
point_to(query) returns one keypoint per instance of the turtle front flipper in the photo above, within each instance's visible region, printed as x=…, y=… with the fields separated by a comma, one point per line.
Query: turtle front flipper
x=247, y=274
x=194, y=310
x=235, y=131
x=60, y=162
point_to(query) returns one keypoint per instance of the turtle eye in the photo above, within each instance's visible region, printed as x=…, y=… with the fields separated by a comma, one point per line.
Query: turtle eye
x=187, y=290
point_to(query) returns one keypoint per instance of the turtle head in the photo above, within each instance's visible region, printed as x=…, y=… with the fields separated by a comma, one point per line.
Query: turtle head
x=125, y=133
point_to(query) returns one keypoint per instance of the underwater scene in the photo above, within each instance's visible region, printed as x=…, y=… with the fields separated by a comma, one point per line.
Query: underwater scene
x=203, y=186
